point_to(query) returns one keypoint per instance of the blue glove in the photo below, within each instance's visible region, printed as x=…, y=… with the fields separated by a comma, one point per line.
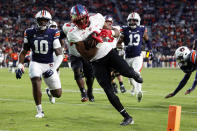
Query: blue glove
x=48, y=73
x=19, y=72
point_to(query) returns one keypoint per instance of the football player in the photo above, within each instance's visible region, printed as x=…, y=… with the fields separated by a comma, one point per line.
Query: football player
x=94, y=44
x=132, y=36
x=120, y=51
x=187, y=61
x=81, y=67
x=43, y=41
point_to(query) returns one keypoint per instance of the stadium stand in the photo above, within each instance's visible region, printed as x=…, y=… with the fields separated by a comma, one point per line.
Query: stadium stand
x=171, y=23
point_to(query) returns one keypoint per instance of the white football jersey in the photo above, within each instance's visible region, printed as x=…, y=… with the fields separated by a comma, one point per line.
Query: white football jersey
x=72, y=49
x=96, y=24
x=115, y=41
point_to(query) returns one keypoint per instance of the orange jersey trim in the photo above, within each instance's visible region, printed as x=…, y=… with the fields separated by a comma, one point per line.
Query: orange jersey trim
x=57, y=34
x=193, y=57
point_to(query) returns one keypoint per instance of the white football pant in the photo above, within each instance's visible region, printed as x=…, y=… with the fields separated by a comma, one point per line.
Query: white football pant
x=136, y=63
x=37, y=69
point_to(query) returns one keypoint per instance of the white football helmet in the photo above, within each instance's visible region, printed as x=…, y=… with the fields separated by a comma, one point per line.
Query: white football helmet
x=53, y=25
x=133, y=20
x=43, y=18
x=182, y=54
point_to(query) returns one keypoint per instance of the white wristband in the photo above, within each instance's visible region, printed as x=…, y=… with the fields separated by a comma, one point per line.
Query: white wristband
x=113, y=32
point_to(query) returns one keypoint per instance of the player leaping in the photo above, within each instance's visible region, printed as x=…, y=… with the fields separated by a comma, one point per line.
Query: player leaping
x=88, y=35
x=43, y=41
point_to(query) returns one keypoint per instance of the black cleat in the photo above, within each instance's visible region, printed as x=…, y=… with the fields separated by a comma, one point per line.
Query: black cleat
x=137, y=78
x=91, y=97
x=122, y=89
x=127, y=121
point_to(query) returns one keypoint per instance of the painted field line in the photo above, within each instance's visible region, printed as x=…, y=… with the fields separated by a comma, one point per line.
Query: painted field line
x=103, y=105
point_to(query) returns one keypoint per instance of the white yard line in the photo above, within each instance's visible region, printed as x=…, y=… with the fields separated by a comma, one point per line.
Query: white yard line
x=103, y=105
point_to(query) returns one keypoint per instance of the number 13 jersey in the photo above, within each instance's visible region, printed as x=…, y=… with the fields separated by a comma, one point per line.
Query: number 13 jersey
x=133, y=40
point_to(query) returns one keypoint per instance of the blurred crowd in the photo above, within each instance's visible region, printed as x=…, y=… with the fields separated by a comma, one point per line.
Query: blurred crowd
x=170, y=23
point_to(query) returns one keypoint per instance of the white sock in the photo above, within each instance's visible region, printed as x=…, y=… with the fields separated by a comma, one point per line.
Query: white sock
x=39, y=108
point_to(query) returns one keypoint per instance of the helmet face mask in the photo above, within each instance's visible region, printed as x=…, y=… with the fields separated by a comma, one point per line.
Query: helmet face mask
x=79, y=16
x=182, y=55
x=43, y=18
x=133, y=20
x=53, y=25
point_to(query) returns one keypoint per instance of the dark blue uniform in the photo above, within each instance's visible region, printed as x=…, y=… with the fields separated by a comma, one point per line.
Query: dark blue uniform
x=188, y=67
x=41, y=44
x=133, y=40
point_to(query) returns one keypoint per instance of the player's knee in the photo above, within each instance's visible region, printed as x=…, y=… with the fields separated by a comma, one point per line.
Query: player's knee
x=56, y=93
x=78, y=75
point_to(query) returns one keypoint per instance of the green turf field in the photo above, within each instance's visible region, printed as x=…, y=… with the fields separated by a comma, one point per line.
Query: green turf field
x=17, y=108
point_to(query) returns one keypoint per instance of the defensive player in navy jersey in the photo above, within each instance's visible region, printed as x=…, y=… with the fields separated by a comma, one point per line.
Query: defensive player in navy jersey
x=187, y=61
x=42, y=41
x=132, y=36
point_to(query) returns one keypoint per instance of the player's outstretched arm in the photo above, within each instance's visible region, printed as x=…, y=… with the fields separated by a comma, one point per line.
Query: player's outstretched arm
x=180, y=86
x=193, y=86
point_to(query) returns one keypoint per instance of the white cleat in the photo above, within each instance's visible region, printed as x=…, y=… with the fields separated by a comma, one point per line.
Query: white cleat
x=139, y=96
x=51, y=98
x=40, y=115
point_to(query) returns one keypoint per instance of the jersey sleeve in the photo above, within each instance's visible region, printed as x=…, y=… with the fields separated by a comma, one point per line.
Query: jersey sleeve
x=56, y=35
x=66, y=27
x=73, y=37
x=97, y=22
x=193, y=57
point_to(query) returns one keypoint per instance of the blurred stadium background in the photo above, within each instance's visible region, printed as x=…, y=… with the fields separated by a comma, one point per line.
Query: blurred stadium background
x=170, y=23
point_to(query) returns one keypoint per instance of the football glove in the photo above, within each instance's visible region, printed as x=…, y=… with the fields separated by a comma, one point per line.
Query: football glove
x=169, y=95
x=19, y=71
x=105, y=33
x=150, y=55
x=48, y=73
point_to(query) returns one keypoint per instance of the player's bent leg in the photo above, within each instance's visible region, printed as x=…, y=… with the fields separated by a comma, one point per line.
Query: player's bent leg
x=134, y=84
x=54, y=85
x=89, y=83
x=137, y=65
x=81, y=84
x=104, y=80
x=123, y=68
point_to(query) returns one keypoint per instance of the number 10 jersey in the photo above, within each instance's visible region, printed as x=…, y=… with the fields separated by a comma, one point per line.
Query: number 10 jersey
x=41, y=44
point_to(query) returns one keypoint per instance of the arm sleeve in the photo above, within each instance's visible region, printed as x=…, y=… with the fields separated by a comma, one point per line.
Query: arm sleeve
x=195, y=82
x=56, y=44
x=182, y=83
